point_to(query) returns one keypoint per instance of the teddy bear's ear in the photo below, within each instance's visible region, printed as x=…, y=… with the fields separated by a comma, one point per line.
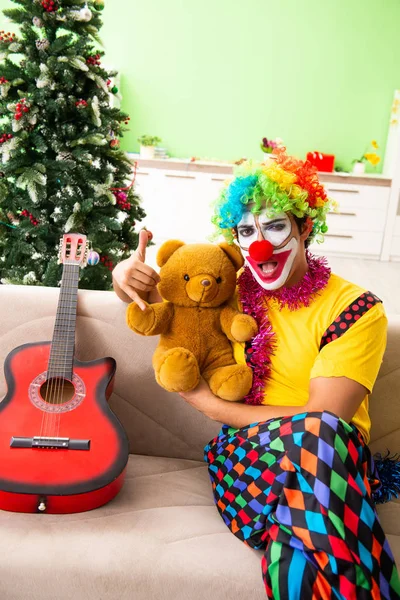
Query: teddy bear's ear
x=233, y=253
x=166, y=251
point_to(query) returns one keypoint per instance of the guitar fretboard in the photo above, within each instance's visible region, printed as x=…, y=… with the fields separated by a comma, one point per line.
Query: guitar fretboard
x=63, y=343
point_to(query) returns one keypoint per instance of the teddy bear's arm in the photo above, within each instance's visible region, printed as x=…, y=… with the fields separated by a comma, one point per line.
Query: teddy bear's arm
x=152, y=321
x=237, y=326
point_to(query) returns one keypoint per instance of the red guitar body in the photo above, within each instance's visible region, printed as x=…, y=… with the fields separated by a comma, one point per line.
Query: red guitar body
x=59, y=480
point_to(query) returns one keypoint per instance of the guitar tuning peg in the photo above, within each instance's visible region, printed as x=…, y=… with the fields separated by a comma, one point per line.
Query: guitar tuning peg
x=85, y=255
x=60, y=251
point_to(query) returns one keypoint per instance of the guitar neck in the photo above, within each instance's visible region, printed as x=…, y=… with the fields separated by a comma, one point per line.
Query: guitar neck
x=63, y=344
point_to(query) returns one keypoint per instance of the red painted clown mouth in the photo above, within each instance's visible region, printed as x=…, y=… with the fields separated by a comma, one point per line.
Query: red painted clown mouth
x=271, y=270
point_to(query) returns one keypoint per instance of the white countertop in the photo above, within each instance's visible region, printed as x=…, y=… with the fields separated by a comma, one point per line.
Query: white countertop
x=226, y=168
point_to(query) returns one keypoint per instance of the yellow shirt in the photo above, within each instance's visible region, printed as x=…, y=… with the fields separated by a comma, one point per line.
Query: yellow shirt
x=357, y=354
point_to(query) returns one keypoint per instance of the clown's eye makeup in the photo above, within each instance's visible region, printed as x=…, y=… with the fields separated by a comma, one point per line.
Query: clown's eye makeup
x=246, y=230
x=275, y=230
x=275, y=227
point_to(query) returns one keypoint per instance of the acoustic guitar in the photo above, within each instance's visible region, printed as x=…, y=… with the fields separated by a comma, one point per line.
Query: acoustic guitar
x=62, y=449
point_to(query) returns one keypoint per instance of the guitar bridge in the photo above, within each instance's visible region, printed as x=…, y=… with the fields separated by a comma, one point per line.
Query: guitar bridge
x=53, y=443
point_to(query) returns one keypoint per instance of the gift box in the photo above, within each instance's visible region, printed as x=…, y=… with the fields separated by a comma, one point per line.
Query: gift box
x=323, y=162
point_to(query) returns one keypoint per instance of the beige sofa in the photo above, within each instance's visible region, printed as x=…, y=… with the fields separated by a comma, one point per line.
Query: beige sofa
x=161, y=538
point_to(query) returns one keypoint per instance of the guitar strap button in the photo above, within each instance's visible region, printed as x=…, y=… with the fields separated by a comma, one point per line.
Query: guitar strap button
x=42, y=505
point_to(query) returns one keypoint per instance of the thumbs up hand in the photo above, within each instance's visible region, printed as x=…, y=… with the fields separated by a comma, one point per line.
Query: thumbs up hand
x=133, y=277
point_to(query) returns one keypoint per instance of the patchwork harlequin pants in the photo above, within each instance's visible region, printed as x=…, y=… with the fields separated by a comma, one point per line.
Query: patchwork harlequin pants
x=300, y=489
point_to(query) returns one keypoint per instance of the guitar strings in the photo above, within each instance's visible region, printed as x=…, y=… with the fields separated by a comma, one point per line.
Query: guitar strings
x=54, y=381
x=72, y=314
x=57, y=400
x=50, y=381
x=70, y=343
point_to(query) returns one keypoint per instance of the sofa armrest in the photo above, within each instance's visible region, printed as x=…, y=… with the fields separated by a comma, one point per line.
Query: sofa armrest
x=385, y=399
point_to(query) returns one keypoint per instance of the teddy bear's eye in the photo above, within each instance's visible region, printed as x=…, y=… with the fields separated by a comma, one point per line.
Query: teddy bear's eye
x=219, y=280
x=186, y=277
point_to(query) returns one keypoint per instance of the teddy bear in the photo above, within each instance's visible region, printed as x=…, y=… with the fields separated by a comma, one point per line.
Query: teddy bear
x=197, y=320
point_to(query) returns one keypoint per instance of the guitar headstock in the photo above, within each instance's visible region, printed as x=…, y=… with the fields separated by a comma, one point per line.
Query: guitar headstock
x=74, y=249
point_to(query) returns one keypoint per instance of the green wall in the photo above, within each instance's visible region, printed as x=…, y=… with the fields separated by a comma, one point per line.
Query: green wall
x=213, y=77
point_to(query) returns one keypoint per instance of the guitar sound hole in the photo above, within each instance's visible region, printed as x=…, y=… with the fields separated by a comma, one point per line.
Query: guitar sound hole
x=57, y=390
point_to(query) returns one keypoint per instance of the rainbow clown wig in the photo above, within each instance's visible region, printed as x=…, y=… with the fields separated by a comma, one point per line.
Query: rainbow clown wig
x=281, y=184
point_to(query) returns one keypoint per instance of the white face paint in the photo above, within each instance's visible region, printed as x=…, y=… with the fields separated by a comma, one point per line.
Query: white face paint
x=274, y=273
x=273, y=229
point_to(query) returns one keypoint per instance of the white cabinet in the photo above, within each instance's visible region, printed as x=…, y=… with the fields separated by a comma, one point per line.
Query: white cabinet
x=177, y=206
x=395, y=249
x=391, y=168
x=178, y=200
x=357, y=226
x=189, y=199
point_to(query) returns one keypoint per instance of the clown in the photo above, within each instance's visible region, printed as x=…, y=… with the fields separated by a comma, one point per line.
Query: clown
x=291, y=471
x=263, y=206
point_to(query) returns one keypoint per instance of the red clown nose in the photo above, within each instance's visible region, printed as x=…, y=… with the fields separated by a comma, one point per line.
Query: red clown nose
x=262, y=251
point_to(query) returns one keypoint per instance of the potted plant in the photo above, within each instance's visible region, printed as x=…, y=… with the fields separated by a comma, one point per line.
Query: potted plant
x=371, y=157
x=147, y=145
x=268, y=146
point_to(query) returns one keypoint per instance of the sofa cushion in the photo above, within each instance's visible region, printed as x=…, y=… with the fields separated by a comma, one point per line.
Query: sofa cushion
x=161, y=538
x=385, y=400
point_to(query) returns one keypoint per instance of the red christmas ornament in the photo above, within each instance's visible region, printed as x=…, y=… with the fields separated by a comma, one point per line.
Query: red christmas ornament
x=7, y=37
x=94, y=60
x=20, y=109
x=5, y=137
x=81, y=104
x=106, y=262
x=261, y=251
x=49, y=6
x=114, y=144
x=32, y=219
x=3, y=80
x=122, y=200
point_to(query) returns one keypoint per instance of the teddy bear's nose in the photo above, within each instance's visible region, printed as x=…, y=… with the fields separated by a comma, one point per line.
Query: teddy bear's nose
x=206, y=282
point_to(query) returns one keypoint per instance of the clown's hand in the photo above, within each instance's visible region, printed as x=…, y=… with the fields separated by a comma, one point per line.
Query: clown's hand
x=132, y=278
x=243, y=328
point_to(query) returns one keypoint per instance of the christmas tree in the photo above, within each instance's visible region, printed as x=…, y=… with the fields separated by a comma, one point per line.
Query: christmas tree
x=61, y=165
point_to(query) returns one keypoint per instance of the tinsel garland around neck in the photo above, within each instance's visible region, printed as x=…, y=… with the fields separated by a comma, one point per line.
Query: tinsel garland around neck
x=254, y=300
